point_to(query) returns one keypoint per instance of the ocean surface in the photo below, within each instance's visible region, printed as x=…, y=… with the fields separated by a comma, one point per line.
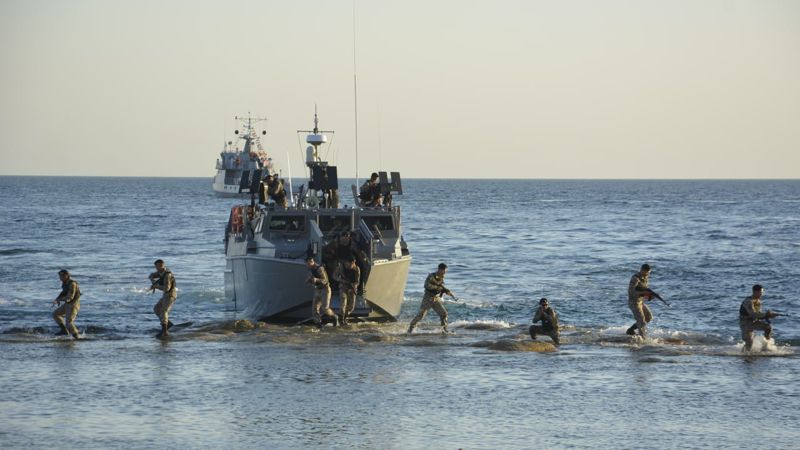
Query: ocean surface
x=226, y=382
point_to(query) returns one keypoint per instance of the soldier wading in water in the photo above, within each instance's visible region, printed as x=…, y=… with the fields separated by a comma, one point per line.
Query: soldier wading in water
x=751, y=318
x=71, y=296
x=434, y=288
x=164, y=281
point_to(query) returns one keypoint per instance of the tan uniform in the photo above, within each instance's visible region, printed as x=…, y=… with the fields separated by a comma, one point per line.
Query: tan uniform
x=348, y=283
x=322, y=294
x=751, y=319
x=165, y=283
x=434, y=288
x=71, y=296
x=549, y=324
x=636, y=303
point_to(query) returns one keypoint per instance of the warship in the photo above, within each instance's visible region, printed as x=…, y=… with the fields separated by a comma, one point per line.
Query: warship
x=234, y=166
x=267, y=243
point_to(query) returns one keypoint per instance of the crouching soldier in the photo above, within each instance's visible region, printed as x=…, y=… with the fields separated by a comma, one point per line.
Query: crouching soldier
x=549, y=319
x=71, y=296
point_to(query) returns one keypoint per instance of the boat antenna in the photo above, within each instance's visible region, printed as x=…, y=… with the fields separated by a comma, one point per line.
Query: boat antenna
x=355, y=87
x=289, y=167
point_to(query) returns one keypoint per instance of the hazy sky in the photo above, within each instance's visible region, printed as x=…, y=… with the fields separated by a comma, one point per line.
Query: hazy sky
x=456, y=89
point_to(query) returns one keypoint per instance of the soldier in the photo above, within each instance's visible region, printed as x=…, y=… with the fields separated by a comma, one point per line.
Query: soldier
x=434, y=288
x=549, y=320
x=164, y=281
x=71, y=296
x=751, y=318
x=339, y=251
x=638, y=292
x=370, y=192
x=322, y=292
x=275, y=190
x=349, y=276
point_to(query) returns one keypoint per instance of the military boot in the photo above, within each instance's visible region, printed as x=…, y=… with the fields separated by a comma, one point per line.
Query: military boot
x=63, y=331
x=164, y=332
x=631, y=331
x=532, y=331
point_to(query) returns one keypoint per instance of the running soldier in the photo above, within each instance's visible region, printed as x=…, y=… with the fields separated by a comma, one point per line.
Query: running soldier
x=349, y=276
x=163, y=280
x=751, y=318
x=549, y=319
x=434, y=288
x=318, y=278
x=638, y=292
x=71, y=296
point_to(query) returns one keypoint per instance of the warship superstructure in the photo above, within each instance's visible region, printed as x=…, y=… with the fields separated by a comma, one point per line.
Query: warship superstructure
x=266, y=245
x=235, y=166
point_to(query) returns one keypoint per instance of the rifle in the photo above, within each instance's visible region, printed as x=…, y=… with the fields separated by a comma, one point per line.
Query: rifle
x=655, y=294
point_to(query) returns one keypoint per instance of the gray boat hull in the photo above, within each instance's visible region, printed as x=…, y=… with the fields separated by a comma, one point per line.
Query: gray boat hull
x=274, y=289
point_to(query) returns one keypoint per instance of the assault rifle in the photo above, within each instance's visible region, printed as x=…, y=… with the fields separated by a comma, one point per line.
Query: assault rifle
x=655, y=294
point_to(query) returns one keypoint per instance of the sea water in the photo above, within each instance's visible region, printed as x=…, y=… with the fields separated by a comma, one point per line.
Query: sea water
x=226, y=382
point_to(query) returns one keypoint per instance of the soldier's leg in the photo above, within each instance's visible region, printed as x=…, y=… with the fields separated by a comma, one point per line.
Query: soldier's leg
x=441, y=311
x=638, y=314
x=58, y=316
x=326, y=302
x=534, y=330
x=648, y=316
x=747, y=335
x=763, y=326
x=316, y=303
x=166, y=308
x=71, y=314
x=423, y=310
x=344, y=302
x=554, y=336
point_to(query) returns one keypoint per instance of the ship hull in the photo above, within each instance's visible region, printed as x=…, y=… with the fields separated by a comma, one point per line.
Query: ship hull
x=274, y=290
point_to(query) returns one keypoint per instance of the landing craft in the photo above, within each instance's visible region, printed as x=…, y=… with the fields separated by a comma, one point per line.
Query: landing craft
x=266, y=245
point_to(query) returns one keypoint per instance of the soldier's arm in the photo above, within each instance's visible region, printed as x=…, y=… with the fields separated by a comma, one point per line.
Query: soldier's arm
x=538, y=316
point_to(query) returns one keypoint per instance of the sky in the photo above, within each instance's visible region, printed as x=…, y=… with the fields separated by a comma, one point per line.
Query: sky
x=445, y=89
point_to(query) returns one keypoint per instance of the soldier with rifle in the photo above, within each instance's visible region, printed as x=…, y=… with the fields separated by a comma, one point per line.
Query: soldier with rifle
x=751, y=318
x=71, y=297
x=638, y=293
x=547, y=315
x=434, y=288
x=163, y=280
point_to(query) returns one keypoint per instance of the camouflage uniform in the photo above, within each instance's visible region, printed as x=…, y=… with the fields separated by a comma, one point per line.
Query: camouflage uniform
x=277, y=192
x=164, y=281
x=636, y=297
x=348, y=283
x=434, y=288
x=549, y=324
x=71, y=296
x=322, y=294
x=750, y=319
x=370, y=194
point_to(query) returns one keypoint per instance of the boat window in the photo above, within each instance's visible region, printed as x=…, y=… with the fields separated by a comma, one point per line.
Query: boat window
x=330, y=225
x=382, y=223
x=287, y=223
